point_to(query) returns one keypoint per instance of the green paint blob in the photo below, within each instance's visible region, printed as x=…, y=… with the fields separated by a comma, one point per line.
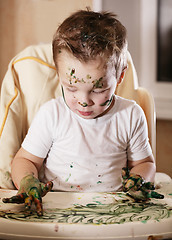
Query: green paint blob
x=98, y=83
x=88, y=76
x=84, y=104
x=72, y=72
x=107, y=102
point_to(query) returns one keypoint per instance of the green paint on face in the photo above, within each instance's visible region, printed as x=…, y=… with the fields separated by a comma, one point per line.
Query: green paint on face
x=107, y=102
x=63, y=93
x=72, y=72
x=98, y=83
x=88, y=76
x=84, y=104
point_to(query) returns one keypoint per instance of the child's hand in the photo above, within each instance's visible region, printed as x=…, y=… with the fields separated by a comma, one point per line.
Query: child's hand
x=137, y=188
x=131, y=180
x=31, y=190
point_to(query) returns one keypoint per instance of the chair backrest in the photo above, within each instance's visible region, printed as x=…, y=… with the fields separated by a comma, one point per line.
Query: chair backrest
x=30, y=81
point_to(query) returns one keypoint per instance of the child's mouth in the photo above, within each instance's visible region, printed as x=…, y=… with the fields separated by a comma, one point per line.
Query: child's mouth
x=85, y=113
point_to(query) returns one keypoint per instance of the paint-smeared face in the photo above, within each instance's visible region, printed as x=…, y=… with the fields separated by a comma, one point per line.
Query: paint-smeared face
x=88, y=87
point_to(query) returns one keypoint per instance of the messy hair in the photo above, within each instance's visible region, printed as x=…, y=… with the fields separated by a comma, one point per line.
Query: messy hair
x=88, y=34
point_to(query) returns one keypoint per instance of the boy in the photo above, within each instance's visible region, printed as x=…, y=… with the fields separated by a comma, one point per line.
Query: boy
x=85, y=138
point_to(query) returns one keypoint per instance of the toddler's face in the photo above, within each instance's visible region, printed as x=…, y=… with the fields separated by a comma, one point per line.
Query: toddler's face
x=88, y=87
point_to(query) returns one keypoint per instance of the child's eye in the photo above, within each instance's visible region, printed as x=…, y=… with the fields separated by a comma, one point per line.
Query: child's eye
x=71, y=89
x=98, y=91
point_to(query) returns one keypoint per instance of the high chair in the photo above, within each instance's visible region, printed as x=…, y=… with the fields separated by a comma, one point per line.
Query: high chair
x=30, y=81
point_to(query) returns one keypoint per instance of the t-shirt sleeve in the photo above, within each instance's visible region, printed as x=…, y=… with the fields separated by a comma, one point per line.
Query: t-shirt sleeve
x=138, y=145
x=40, y=134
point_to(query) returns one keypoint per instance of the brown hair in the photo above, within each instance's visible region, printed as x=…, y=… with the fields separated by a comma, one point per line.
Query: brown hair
x=88, y=34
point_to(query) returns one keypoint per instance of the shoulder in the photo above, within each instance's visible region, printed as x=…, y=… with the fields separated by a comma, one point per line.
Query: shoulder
x=49, y=112
x=128, y=107
x=53, y=106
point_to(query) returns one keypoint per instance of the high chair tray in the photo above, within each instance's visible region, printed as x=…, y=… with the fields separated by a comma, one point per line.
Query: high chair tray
x=89, y=216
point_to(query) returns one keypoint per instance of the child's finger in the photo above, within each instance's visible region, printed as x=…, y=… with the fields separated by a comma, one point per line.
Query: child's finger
x=137, y=195
x=129, y=184
x=154, y=194
x=28, y=202
x=37, y=200
x=144, y=195
x=39, y=208
x=19, y=198
x=46, y=188
x=125, y=172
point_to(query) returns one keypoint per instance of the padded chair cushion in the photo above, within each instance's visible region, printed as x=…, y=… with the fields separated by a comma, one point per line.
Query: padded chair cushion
x=30, y=81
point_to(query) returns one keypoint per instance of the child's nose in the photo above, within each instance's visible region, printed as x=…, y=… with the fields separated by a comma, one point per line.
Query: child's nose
x=85, y=101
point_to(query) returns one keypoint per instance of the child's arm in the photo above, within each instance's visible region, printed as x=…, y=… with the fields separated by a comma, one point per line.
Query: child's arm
x=145, y=168
x=23, y=164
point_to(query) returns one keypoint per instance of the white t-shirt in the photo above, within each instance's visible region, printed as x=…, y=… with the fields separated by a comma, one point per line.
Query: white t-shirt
x=87, y=154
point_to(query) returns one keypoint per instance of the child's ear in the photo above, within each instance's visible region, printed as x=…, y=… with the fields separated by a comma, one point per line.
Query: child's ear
x=122, y=75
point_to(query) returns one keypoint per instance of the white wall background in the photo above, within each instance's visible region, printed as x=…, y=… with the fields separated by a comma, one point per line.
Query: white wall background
x=128, y=13
x=139, y=17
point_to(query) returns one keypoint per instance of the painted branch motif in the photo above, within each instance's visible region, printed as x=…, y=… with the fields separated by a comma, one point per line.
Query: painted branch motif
x=115, y=213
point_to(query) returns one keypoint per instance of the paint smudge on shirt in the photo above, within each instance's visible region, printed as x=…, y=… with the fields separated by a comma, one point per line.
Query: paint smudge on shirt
x=79, y=188
x=67, y=179
x=71, y=165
